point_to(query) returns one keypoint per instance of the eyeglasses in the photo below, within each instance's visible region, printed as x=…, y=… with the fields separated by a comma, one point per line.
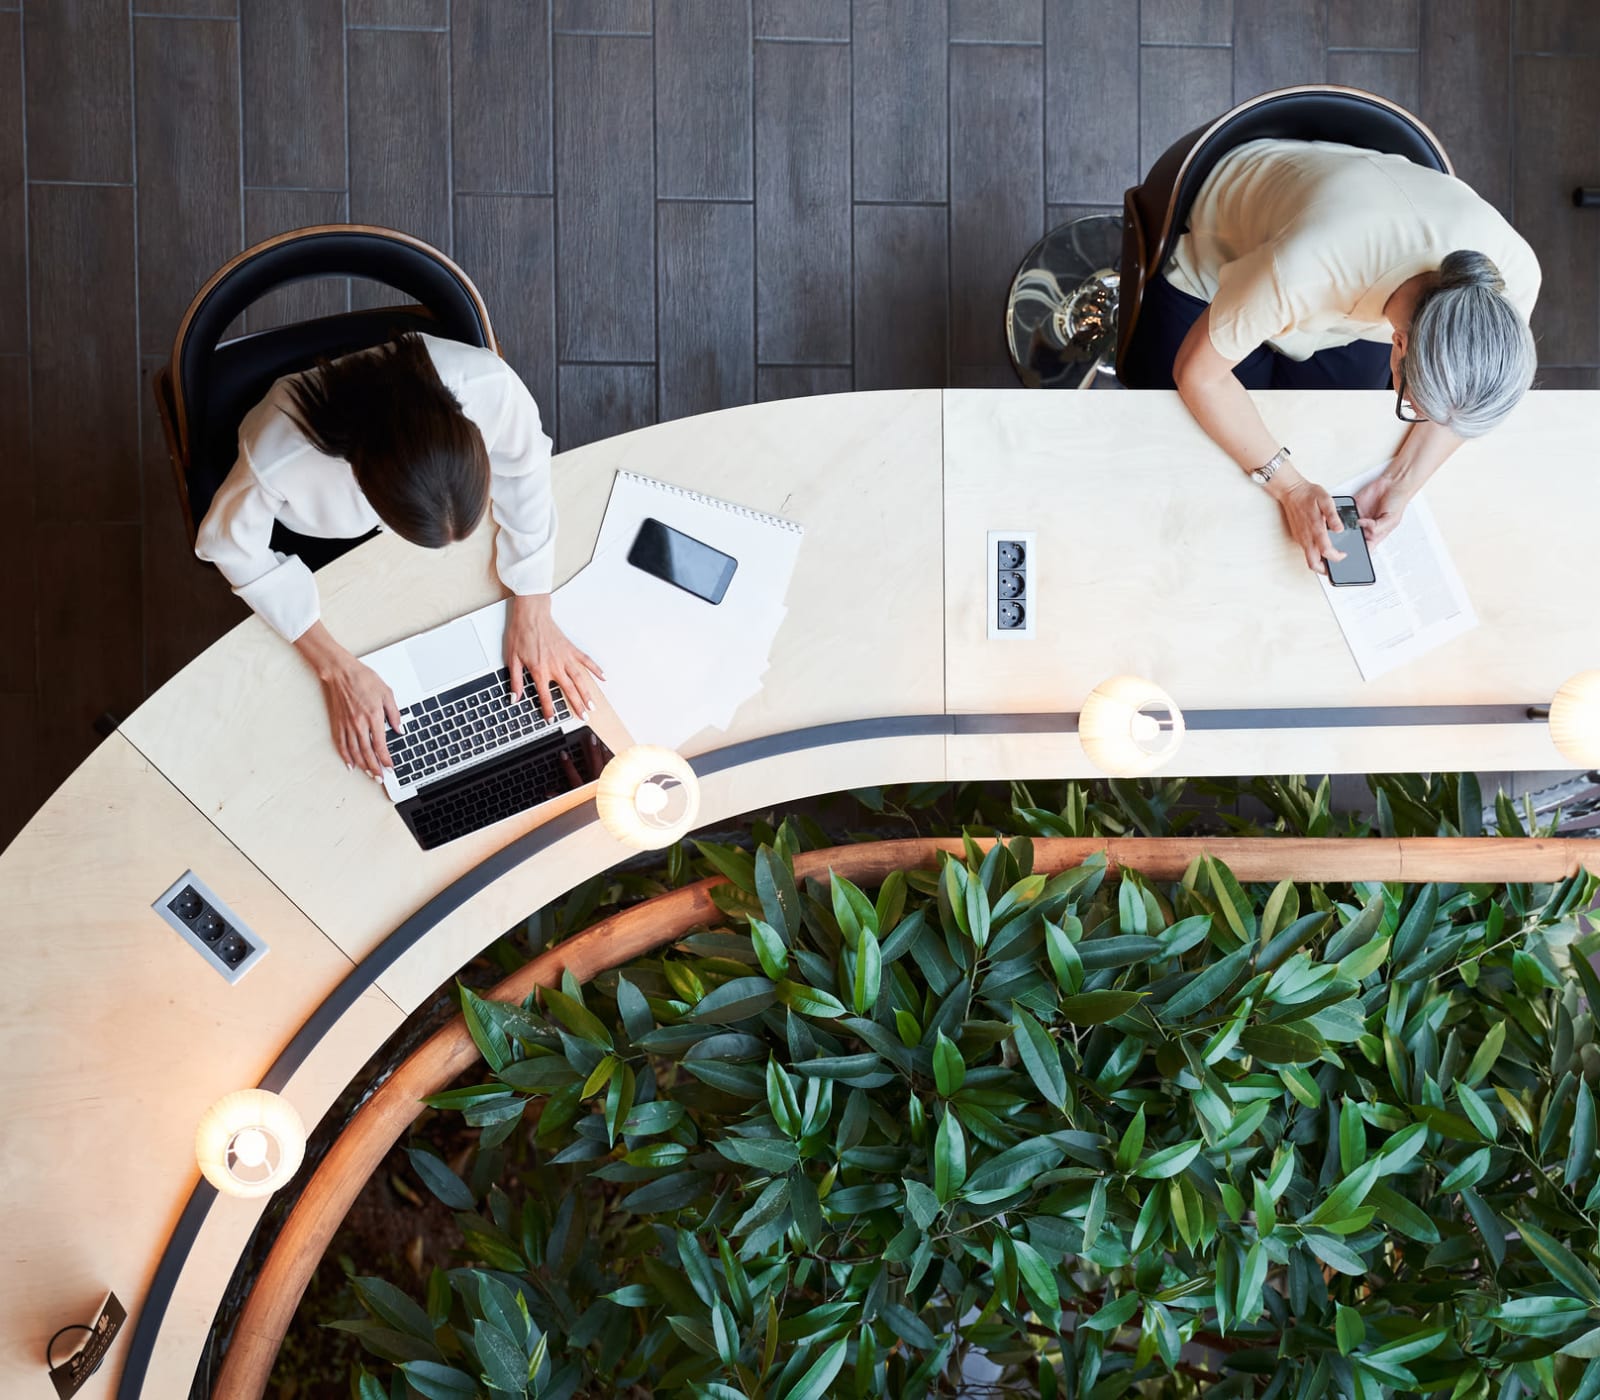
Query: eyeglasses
x=1404, y=410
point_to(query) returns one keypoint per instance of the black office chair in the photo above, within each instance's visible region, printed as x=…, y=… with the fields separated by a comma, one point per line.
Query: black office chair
x=1156, y=212
x=204, y=394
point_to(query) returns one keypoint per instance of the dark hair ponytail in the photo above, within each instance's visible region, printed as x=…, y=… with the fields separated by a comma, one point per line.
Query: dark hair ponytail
x=416, y=456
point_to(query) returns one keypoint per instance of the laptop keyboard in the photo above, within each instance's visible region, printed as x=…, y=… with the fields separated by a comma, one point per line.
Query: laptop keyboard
x=466, y=724
x=515, y=784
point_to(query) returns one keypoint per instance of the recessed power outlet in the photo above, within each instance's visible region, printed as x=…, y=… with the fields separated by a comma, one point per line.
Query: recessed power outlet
x=1011, y=583
x=202, y=920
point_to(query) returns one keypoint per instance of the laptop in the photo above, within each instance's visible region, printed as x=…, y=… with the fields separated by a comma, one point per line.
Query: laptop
x=470, y=756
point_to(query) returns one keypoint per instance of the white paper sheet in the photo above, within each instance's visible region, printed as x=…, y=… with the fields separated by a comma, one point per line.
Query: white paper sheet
x=1419, y=601
x=675, y=664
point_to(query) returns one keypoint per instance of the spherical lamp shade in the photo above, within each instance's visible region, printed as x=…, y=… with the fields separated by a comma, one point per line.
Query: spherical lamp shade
x=648, y=797
x=1129, y=727
x=1575, y=720
x=250, y=1142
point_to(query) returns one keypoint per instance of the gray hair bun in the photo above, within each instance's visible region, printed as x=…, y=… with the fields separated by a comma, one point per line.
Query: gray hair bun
x=1465, y=268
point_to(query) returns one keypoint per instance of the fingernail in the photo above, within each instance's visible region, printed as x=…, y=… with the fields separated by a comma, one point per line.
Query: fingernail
x=584, y=715
x=400, y=728
x=349, y=768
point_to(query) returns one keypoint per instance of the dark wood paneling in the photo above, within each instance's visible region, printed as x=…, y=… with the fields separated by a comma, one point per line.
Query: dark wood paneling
x=1567, y=377
x=996, y=189
x=22, y=792
x=803, y=203
x=187, y=82
x=605, y=218
x=801, y=381
x=603, y=16
x=1092, y=92
x=1555, y=105
x=424, y=14
x=90, y=653
x=85, y=352
x=1372, y=24
x=898, y=81
x=292, y=55
x=997, y=21
x=1466, y=90
x=1557, y=26
x=1182, y=89
x=1277, y=43
x=1186, y=21
x=506, y=244
x=990, y=376
x=703, y=116
x=707, y=289
x=500, y=91
x=201, y=9
x=267, y=212
x=1057, y=214
x=399, y=135
x=600, y=401
x=17, y=670
x=902, y=314
x=802, y=19
x=80, y=117
x=187, y=605
x=1391, y=74
x=13, y=200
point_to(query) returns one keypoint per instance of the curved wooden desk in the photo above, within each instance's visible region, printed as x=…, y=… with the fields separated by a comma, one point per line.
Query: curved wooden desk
x=1154, y=557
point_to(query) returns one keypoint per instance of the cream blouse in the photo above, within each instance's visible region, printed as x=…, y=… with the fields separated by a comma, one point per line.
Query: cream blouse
x=1298, y=244
x=280, y=476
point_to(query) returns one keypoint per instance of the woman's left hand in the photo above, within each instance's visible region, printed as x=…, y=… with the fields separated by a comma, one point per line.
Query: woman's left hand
x=534, y=643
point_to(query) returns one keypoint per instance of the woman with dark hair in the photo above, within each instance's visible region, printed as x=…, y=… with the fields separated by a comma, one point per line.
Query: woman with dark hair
x=422, y=436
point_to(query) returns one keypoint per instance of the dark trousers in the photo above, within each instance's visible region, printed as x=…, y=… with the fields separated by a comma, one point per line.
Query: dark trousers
x=1167, y=314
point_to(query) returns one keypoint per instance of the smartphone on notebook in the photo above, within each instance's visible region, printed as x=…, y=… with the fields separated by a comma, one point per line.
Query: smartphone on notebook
x=679, y=559
x=1355, y=569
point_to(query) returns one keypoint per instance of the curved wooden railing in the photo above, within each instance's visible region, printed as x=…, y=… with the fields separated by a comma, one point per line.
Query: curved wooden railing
x=634, y=932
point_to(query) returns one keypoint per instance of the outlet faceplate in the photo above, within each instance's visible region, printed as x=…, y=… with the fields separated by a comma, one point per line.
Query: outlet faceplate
x=203, y=921
x=1011, y=584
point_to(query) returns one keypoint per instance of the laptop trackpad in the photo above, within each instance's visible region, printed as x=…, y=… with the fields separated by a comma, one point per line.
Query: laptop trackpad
x=449, y=654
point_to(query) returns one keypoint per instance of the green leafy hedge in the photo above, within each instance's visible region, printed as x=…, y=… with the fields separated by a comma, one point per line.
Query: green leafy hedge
x=1096, y=1135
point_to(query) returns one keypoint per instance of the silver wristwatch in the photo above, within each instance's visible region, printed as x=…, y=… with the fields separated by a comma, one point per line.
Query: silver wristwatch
x=1262, y=475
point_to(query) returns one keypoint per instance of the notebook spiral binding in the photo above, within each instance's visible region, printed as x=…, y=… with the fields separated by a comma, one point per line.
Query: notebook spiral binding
x=777, y=521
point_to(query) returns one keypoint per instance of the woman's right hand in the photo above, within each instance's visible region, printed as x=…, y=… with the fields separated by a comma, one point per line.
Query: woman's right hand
x=1309, y=516
x=358, y=700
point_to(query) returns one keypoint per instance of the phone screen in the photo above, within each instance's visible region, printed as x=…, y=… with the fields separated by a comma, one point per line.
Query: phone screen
x=1356, y=566
x=682, y=561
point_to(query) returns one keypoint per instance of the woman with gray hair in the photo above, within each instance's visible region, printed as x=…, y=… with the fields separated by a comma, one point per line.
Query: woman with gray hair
x=1316, y=265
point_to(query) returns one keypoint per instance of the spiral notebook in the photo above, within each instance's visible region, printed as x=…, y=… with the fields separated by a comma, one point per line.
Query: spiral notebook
x=676, y=665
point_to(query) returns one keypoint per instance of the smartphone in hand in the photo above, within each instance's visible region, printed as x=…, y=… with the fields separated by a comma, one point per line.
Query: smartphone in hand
x=1355, y=568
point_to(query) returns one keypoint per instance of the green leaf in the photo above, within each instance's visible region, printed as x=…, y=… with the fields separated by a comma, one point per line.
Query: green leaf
x=1038, y=1280
x=810, y=1001
x=1580, y=1154
x=1281, y=1045
x=1113, y=1314
x=909, y=1028
x=1040, y=1056
x=813, y=1385
x=780, y=901
x=1352, y=1136
x=1477, y=1112
x=1401, y=1148
x=922, y=1203
x=1350, y=1329
x=781, y=1099
x=949, y=1158
x=1335, y=1254
x=1348, y=1195
x=735, y=1000
x=1407, y=1348
x=1169, y=1161
x=1468, y=1173
x=1231, y=900
x=484, y=1030
x=1065, y=961
x=770, y=950
x=1586, y=1346
x=764, y=1154
x=869, y=972
x=1252, y=1279
x=437, y=1381
x=657, y=1116
x=1486, y=1054
x=1012, y=1170
x=600, y=1077
x=439, y=1179
x=1095, y=1008
x=1401, y=1214
x=1366, y=960
x=637, y=1019
x=949, y=1069
x=1564, y=1266
x=577, y=1018
x=368, y=1387
x=1131, y=1144
x=1206, y=986
x=505, y=1366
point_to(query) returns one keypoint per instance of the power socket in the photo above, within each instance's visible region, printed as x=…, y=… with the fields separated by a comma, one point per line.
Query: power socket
x=1011, y=584
x=202, y=920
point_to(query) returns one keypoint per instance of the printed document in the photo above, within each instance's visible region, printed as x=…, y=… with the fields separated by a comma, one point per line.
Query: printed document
x=1418, y=603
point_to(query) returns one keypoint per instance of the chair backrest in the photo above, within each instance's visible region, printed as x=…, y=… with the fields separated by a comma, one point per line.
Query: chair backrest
x=206, y=390
x=1156, y=211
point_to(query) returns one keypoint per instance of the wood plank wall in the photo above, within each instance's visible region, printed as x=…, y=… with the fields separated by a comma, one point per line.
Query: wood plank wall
x=671, y=205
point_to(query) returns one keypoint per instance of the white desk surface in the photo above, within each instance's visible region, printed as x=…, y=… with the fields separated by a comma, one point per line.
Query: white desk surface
x=1155, y=557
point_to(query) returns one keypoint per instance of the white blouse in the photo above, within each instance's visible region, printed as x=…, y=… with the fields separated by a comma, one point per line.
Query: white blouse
x=281, y=476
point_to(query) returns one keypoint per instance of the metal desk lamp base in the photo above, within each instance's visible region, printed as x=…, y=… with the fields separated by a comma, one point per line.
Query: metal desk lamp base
x=1061, y=317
